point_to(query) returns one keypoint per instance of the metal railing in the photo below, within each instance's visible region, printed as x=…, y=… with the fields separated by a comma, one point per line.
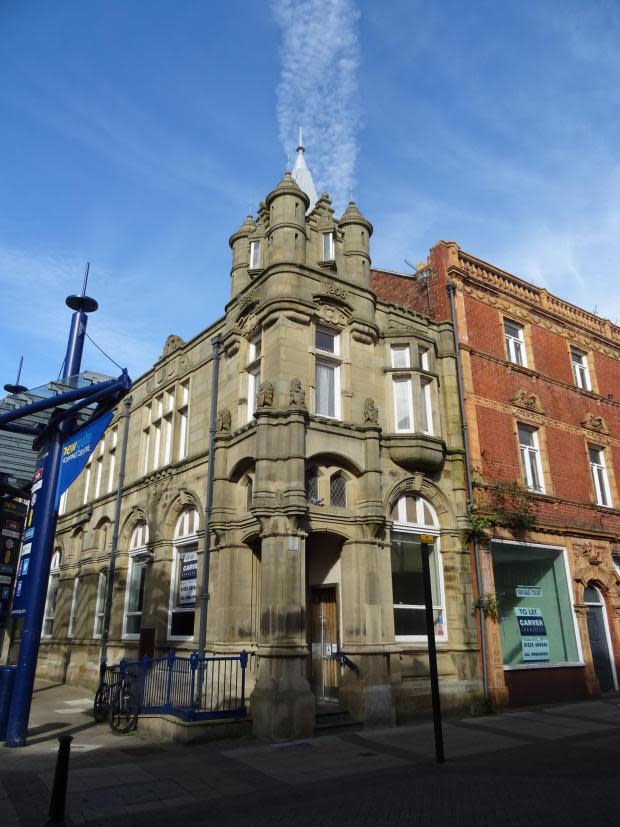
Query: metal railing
x=191, y=688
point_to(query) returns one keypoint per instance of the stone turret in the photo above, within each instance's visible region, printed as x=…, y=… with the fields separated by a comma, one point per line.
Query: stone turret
x=356, y=232
x=240, y=246
x=286, y=237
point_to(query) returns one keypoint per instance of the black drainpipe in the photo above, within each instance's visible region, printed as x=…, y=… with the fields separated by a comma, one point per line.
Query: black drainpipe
x=470, y=497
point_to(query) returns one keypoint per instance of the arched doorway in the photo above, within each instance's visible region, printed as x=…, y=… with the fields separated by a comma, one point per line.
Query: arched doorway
x=323, y=573
x=600, y=644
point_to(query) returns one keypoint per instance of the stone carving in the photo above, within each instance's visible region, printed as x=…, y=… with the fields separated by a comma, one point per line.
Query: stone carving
x=595, y=423
x=594, y=554
x=159, y=482
x=224, y=420
x=332, y=315
x=523, y=399
x=297, y=395
x=264, y=397
x=334, y=290
x=172, y=343
x=371, y=412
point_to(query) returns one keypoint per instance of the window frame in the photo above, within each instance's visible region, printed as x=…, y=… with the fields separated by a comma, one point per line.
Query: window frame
x=401, y=526
x=327, y=238
x=581, y=370
x=183, y=540
x=255, y=251
x=100, y=603
x=338, y=475
x=532, y=451
x=515, y=357
x=401, y=379
x=604, y=490
x=137, y=558
x=254, y=369
x=333, y=362
x=397, y=349
x=51, y=596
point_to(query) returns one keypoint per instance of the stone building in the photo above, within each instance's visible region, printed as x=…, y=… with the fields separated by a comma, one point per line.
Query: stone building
x=541, y=388
x=338, y=443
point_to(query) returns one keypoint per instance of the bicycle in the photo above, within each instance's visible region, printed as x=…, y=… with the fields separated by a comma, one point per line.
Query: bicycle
x=103, y=697
x=123, y=705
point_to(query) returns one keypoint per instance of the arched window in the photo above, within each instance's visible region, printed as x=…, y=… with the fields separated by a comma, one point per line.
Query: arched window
x=337, y=491
x=134, y=594
x=52, y=595
x=413, y=516
x=312, y=487
x=184, y=576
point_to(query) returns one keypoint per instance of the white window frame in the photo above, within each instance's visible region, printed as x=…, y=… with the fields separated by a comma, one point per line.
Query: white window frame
x=99, y=469
x=332, y=361
x=531, y=454
x=138, y=549
x=183, y=420
x=147, y=439
x=403, y=380
x=327, y=245
x=53, y=585
x=396, y=350
x=254, y=255
x=62, y=502
x=185, y=536
x=74, y=605
x=426, y=390
x=253, y=369
x=102, y=587
x=424, y=358
x=112, y=465
x=515, y=345
x=401, y=526
x=600, y=478
x=86, y=480
x=581, y=372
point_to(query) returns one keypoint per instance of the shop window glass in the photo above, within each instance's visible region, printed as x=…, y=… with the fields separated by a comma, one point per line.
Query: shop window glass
x=536, y=615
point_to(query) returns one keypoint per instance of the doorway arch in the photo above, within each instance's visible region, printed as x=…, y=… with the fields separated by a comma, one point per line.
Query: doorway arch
x=600, y=642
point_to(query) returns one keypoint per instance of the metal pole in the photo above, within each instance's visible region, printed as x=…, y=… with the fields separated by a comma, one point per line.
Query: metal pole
x=105, y=632
x=216, y=343
x=470, y=495
x=44, y=525
x=56, y=815
x=427, y=546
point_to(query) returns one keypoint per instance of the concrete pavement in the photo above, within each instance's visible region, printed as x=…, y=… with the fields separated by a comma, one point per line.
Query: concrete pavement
x=558, y=765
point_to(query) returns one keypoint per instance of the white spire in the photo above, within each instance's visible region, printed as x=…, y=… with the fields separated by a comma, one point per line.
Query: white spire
x=301, y=174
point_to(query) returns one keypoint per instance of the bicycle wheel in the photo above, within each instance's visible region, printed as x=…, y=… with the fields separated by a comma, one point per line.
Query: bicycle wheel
x=123, y=712
x=101, y=704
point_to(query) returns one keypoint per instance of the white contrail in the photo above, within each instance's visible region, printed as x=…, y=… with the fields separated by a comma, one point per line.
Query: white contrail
x=318, y=88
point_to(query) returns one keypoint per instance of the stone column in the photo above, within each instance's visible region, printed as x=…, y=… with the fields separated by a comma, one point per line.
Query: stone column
x=368, y=631
x=282, y=703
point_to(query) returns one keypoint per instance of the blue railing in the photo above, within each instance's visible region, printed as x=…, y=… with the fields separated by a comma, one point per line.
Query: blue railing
x=191, y=688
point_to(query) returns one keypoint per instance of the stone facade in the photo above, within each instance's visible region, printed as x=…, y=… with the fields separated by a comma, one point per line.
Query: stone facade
x=338, y=441
x=539, y=369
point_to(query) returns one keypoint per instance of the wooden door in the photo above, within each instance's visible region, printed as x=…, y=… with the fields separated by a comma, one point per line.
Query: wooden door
x=324, y=641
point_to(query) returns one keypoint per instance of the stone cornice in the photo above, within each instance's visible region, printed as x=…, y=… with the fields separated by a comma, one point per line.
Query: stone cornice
x=494, y=286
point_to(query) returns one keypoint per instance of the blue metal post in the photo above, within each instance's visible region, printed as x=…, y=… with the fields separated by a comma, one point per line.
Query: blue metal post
x=43, y=541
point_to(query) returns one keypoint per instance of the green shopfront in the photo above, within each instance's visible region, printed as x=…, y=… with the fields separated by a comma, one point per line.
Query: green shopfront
x=538, y=630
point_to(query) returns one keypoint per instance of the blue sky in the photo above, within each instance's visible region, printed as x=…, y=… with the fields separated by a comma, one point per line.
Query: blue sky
x=137, y=136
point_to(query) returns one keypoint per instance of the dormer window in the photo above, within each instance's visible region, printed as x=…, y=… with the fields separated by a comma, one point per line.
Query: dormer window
x=254, y=255
x=328, y=246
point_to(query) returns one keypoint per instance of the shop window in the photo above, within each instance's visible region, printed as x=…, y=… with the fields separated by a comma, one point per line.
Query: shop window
x=183, y=582
x=534, y=604
x=412, y=517
x=52, y=596
x=515, y=343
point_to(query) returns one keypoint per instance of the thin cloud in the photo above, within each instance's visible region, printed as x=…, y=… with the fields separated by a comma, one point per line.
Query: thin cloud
x=318, y=88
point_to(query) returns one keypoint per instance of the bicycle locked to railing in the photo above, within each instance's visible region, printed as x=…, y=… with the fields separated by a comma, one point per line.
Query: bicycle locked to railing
x=191, y=688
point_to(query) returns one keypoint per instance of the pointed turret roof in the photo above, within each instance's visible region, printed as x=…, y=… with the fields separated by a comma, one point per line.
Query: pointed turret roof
x=302, y=174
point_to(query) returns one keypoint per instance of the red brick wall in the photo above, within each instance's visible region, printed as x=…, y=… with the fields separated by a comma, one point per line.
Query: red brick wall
x=551, y=354
x=607, y=375
x=484, y=331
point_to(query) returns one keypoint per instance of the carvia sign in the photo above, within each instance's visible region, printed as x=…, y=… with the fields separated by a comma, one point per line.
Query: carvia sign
x=76, y=452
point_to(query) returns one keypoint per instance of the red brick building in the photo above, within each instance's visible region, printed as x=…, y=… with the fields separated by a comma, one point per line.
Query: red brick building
x=540, y=387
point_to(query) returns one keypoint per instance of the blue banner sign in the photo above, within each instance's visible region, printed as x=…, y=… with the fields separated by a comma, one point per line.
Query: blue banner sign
x=34, y=519
x=76, y=452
